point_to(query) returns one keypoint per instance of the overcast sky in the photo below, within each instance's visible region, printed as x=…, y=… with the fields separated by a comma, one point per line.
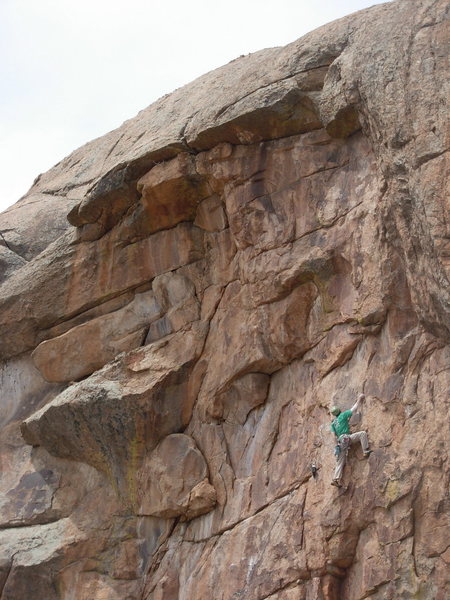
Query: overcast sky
x=72, y=70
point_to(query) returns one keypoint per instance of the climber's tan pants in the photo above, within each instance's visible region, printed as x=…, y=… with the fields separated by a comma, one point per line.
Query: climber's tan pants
x=354, y=437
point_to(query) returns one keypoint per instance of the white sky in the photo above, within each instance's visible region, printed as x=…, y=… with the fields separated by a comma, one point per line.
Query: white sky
x=72, y=70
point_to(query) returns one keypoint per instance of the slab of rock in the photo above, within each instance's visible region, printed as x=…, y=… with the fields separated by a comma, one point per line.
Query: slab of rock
x=9, y=262
x=50, y=285
x=177, y=295
x=24, y=390
x=34, y=222
x=171, y=192
x=173, y=481
x=30, y=501
x=123, y=411
x=211, y=215
x=86, y=348
x=280, y=227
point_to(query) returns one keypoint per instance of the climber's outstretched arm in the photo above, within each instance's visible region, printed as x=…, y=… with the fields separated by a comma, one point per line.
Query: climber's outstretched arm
x=355, y=407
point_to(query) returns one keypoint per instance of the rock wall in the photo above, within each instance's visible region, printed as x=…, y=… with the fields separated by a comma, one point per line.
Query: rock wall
x=267, y=241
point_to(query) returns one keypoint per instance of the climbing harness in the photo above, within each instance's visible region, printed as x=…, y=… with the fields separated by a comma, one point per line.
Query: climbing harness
x=343, y=444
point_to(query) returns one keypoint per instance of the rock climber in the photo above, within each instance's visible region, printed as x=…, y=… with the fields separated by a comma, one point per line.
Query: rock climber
x=344, y=439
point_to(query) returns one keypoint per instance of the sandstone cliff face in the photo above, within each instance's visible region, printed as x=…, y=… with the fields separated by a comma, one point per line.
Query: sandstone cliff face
x=267, y=241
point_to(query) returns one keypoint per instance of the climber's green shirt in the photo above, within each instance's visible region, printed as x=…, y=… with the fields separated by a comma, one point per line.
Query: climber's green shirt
x=340, y=424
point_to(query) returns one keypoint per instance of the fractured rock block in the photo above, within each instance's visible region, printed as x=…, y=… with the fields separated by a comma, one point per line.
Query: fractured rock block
x=241, y=397
x=113, y=418
x=173, y=481
x=30, y=501
x=87, y=347
x=211, y=215
x=103, y=270
x=172, y=289
x=9, y=262
x=30, y=225
x=176, y=294
x=175, y=319
x=23, y=390
x=334, y=350
x=276, y=333
x=170, y=192
x=263, y=546
x=37, y=553
x=276, y=111
x=67, y=279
